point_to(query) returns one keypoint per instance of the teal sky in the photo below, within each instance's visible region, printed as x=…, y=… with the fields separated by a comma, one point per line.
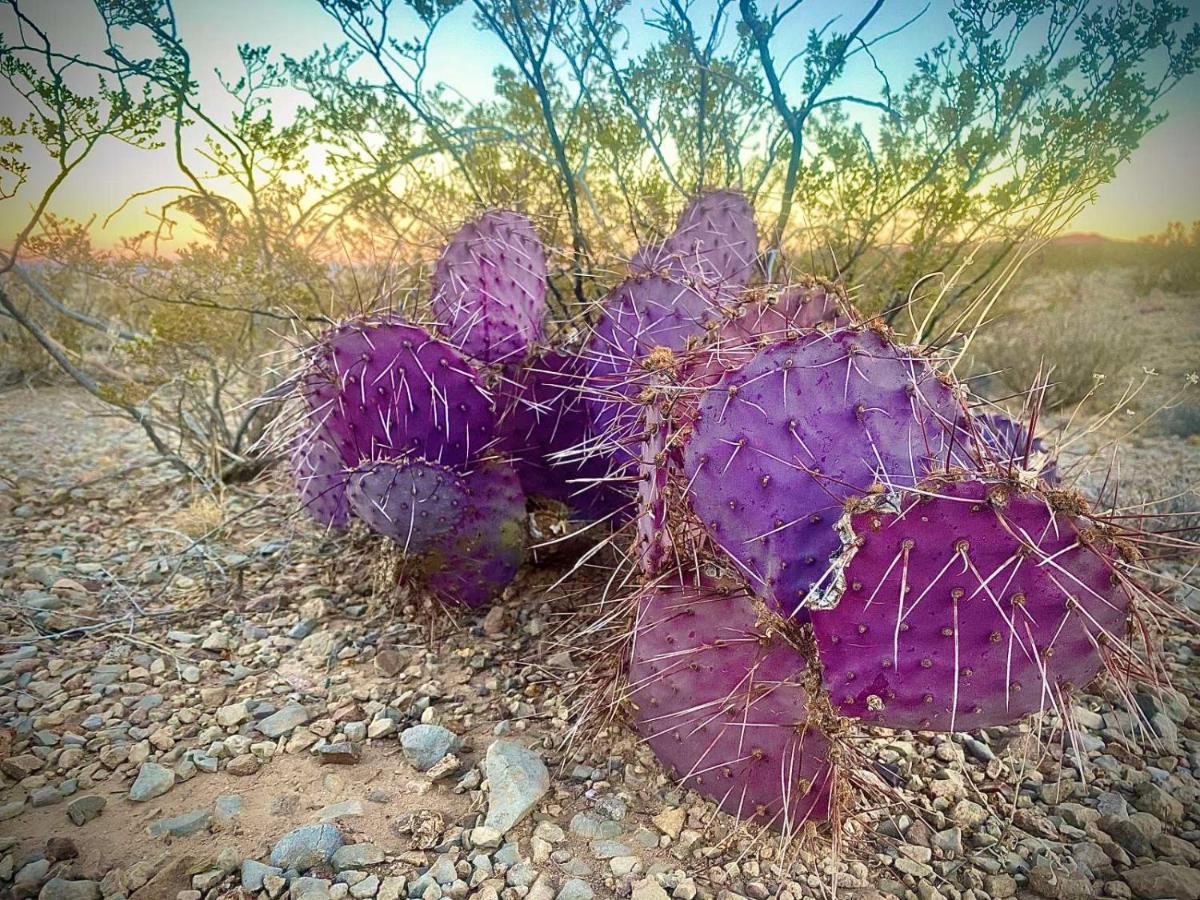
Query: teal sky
x=1160, y=183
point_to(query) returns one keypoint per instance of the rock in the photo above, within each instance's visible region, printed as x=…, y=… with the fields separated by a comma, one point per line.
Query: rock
x=670, y=821
x=284, y=721
x=246, y=764
x=253, y=873
x=44, y=796
x=425, y=745
x=61, y=889
x=181, y=826
x=152, y=781
x=11, y=810
x=233, y=715
x=82, y=810
x=392, y=888
x=365, y=888
x=517, y=780
x=588, y=825
x=341, y=753
x=1162, y=880
x=575, y=889
x=356, y=856
x=649, y=889
x=549, y=832
x=968, y=814
x=60, y=848
x=310, y=889
x=306, y=847
x=227, y=808
x=20, y=767
x=1154, y=800
x=1131, y=834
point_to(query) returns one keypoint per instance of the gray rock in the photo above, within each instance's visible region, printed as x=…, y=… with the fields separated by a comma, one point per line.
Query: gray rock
x=61, y=889
x=228, y=807
x=44, y=796
x=306, y=847
x=591, y=826
x=425, y=745
x=575, y=889
x=356, y=856
x=181, y=826
x=253, y=873
x=1162, y=880
x=517, y=780
x=152, y=781
x=82, y=810
x=310, y=889
x=284, y=721
x=1154, y=800
x=609, y=849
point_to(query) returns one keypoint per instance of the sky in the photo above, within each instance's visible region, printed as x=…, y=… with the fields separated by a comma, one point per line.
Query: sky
x=1161, y=182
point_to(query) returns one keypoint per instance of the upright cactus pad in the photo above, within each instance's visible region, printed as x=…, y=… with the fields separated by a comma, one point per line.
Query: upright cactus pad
x=969, y=605
x=489, y=287
x=383, y=389
x=775, y=313
x=413, y=502
x=481, y=556
x=641, y=315
x=780, y=443
x=546, y=428
x=320, y=479
x=717, y=231
x=720, y=697
x=1007, y=444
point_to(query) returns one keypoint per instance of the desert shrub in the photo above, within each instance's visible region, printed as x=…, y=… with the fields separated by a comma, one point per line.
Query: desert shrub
x=1079, y=351
x=1182, y=420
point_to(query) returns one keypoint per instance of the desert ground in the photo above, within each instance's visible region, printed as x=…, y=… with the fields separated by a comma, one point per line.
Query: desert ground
x=204, y=696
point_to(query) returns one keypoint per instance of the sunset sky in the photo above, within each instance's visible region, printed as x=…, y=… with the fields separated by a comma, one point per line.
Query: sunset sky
x=1160, y=183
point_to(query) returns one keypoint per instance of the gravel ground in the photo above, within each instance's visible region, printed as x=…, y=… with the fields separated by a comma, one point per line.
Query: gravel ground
x=230, y=709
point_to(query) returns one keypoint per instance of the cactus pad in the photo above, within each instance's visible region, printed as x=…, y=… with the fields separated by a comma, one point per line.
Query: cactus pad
x=780, y=443
x=719, y=696
x=413, y=502
x=489, y=287
x=383, y=389
x=969, y=605
x=320, y=479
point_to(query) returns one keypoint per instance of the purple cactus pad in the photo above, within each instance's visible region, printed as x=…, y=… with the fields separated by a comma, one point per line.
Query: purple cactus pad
x=413, y=502
x=719, y=696
x=320, y=479
x=968, y=605
x=383, y=389
x=641, y=314
x=489, y=287
x=483, y=554
x=716, y=237
x=782, y=442
x=546, y=429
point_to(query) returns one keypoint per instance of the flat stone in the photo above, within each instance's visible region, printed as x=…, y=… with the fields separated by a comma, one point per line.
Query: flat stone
x=233, y=714
x=1161, y=880
x=356, y=856
x=310, y=889
x=62, y=889
x=342, y=753
x=182, y=825
x=227, y=807
x=253, y=873
x=306, y=847
x=284, y=720
x=152, y=781
x=425, y=745
x=575, y=889
x=517, y=780
x=246, y=764
x=670, y=821
x=588, y=825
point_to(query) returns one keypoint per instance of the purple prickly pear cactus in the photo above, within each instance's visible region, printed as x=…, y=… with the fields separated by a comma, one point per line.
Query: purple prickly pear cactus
x=320, y=479
x=1008, y=444
x=968, y=605
x=546, y=429
x=383, y=389
x=413, y=502
x=489, y=287
x=780, y=443
x=641, y=315
x=719, y=696
x=715, y=242
x=486, y=548
x=777, y=313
